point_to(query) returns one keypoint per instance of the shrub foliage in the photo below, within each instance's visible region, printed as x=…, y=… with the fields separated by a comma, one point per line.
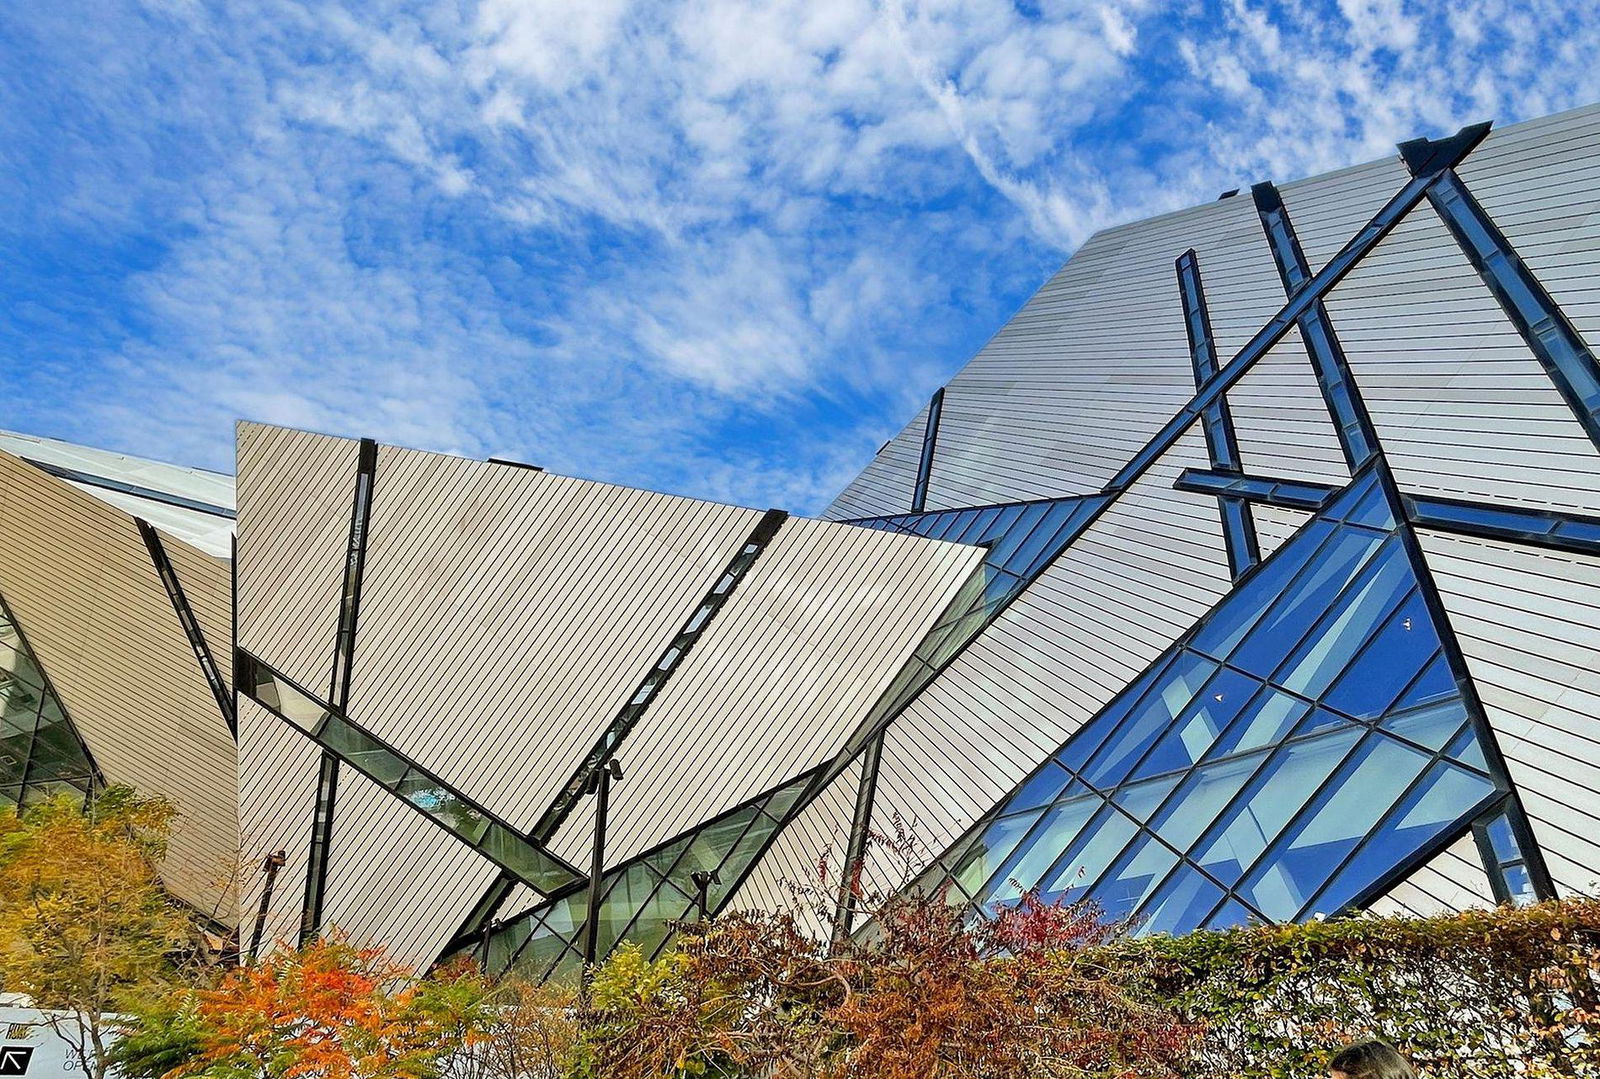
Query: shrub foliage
x=1486, y=994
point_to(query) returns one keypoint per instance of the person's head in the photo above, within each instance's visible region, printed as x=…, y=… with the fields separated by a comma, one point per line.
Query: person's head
x=1370, y=1060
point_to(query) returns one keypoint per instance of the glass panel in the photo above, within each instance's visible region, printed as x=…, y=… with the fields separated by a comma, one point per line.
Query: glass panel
x=1502, y=840
x=1346, y=553
x=1226, y=626
x=1145, y=865
x=1519, y=884
x=1202, y=797
x=712, y=843
x=1373, y=509
x=1232, y=913
x=1344, y=629
x=1273, y=798
x=985, y=857
x=1038, y=852
x=1466, y=749
x=1082, y=745
x=1437, y=681
x=1342, y=816
x=1438, y=805
x=1102, y=840
x=1268, y=719
x=1212, y=710
x=1042, y=788
x=19, y=665
x=1390, y=663
x=1148, y=720
x=1181, y=903
x=1431, y=726
x=504, y=942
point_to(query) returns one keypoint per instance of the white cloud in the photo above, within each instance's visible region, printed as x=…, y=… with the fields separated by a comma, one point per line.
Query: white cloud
x=710, y=245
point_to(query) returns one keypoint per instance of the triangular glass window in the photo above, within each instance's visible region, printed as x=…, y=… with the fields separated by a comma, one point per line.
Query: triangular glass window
x=40, y=752
x=1306, y=741
x=643, y=899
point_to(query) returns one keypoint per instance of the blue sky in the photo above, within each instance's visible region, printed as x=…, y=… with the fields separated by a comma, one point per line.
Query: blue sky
x=716, y=247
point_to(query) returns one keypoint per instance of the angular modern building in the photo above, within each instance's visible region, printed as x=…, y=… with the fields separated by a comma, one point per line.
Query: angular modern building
x=1250, y=572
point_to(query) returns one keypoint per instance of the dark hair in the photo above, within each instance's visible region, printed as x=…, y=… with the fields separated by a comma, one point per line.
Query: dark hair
x=1371, y=1060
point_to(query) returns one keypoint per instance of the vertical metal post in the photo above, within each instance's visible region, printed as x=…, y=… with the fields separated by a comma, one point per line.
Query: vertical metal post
x=275, y=861
x=703, y=881
x=600, y=787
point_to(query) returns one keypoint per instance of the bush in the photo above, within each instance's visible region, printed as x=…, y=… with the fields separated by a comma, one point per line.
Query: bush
x=1483, y=994
x=927, y=994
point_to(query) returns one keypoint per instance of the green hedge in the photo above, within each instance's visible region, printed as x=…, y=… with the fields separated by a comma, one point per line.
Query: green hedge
x=1513, y=992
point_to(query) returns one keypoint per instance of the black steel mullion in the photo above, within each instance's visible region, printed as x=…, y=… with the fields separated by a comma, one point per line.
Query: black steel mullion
x=856, y=847
x=1552, y=338
x=1255, y=488
x=1358, y=438
x=1493, y=867
x=191, y=626
x=321, y=842
x=930, y=438
x=1426, y=512
x=1538, y=872
x=1238, y=524
x=251, y=667
x=683, y=642
x=149, y=494
x=1443, y=154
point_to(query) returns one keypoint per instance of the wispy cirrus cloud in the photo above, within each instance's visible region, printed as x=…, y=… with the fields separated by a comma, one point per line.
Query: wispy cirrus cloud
x=712, y=246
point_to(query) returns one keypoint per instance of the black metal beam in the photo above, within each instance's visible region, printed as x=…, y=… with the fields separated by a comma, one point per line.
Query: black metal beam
x=105, y=483
x=930, y=438
x=191, y=627
x=1358, y=438
x=1548, y=332
x=411, y=783
x=322, y=817
x=1238, y=524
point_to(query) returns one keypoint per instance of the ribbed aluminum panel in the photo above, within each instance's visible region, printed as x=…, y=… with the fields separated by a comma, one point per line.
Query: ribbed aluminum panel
x=80, y=581
x=1537, y=180
x=1529, y=624
x=295, y=494
x=277, y=799
x=1281, y=421
x=1454, y=880
x=428, y=879
x=125, y=475
x=827, y=617
x=1123, y=593
x=1274, y=524
x=1077, y=380
x=1328, y=210
x=885, y=485
x=788, y=877
x=1461, y=405
x=507, y=615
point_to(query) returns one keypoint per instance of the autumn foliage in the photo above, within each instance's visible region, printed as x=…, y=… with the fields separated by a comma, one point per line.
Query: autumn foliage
x=85, y=927
x=923, y=992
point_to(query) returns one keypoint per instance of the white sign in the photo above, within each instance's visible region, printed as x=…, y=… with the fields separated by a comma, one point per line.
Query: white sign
x=30, y=1047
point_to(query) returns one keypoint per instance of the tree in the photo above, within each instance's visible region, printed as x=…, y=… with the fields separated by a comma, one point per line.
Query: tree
x=86, y=929
x=335, y=1010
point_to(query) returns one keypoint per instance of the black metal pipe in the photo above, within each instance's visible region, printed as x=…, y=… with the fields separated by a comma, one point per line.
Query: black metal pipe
x=275, y=861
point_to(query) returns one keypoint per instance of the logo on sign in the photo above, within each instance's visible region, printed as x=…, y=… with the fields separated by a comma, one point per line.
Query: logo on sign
x=14, y=1059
